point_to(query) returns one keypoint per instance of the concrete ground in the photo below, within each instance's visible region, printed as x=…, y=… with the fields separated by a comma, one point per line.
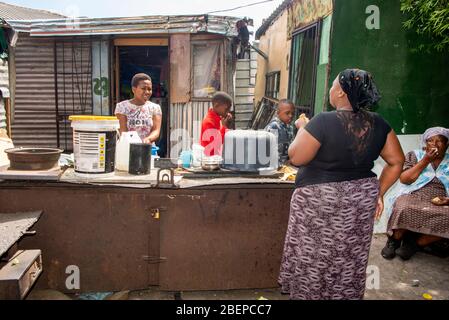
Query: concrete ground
x=397, y=276
x=399, y=280
x=423, y=274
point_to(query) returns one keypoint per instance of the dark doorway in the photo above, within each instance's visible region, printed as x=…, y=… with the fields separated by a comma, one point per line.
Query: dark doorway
x=154, y=61
x=304, y=61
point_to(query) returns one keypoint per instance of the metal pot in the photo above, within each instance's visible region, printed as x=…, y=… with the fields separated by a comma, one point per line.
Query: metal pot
x=33, y=158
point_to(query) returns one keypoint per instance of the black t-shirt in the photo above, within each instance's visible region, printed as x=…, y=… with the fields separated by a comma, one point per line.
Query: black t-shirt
x=350, y=143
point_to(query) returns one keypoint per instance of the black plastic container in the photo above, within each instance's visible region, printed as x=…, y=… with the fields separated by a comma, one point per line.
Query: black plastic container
x=139, y=158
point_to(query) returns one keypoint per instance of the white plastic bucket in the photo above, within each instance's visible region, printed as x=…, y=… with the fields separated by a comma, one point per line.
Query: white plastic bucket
x=94, y=143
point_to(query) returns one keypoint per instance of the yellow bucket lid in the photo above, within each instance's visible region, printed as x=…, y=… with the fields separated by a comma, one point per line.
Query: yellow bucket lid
x=93, y=118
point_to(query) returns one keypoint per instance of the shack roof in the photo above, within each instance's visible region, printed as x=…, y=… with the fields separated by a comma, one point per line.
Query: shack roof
x=13, y=12
x=223, y=25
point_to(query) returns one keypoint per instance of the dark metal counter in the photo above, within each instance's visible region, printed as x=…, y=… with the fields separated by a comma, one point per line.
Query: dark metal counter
x=209, y=237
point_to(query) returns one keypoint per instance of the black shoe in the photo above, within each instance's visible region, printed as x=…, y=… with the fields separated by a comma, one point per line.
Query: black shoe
x=439, y=249
x=408, y=249
x=388, y=252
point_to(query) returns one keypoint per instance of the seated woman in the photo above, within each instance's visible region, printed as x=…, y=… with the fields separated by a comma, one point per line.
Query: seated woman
x=421, y=214
x=140, y=114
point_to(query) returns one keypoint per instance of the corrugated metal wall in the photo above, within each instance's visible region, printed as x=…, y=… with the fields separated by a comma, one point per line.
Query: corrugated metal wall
x=2, y=115
x=187, y=117
x=4, y=83
x=74, y=78
x=35, y=109
x=34, y=105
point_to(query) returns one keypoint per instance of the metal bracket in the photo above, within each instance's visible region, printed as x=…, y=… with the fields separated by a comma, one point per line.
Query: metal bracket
x=166, y=172
x=263, y=54
x=166, y=178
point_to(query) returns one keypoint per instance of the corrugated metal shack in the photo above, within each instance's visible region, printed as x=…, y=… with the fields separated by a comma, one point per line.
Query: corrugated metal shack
x=12, y=12
x=84, y=66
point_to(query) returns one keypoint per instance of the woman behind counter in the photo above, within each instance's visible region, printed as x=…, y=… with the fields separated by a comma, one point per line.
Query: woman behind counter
x=332, y=210
x=139, y=114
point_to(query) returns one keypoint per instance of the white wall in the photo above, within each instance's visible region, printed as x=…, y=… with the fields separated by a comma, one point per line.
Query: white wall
x=408, y=143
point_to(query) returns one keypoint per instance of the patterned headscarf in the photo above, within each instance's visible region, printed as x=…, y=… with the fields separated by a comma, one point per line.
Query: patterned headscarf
x=360, y=88
x=435, y=131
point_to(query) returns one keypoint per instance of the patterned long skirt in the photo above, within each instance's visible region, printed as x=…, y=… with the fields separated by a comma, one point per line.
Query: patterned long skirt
x=328, y=240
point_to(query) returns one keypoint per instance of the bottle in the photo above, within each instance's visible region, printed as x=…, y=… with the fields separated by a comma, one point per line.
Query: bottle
x=186, y=158
x=197, y=155
x=154, y=155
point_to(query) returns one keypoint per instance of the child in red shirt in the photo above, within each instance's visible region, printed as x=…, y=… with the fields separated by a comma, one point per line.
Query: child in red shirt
x=216, y=123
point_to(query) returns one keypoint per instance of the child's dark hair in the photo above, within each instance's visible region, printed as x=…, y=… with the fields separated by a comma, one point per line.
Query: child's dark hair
x=139, y=77
x=286, y=101
x=222, y=98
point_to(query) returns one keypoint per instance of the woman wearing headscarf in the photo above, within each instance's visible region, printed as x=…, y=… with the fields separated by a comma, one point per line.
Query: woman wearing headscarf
x=333, y=209
x=420, y=214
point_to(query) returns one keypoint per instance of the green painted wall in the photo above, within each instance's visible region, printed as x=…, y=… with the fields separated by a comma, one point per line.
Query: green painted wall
x=414, y=86
x=321, y=76
x=321, y=90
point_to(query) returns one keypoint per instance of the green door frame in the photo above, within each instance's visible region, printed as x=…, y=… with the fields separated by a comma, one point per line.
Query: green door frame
x=317, y=25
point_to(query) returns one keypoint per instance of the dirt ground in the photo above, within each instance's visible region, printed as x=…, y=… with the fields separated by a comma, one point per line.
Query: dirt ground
x=398, y=280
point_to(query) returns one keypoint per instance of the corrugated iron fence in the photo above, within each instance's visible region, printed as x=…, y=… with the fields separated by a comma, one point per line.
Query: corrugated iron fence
x=4, y=86
x=41, y=108
x=34, y=106
x=185, y=124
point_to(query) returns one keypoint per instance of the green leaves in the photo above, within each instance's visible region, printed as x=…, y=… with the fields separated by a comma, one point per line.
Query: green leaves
x=430, y=19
